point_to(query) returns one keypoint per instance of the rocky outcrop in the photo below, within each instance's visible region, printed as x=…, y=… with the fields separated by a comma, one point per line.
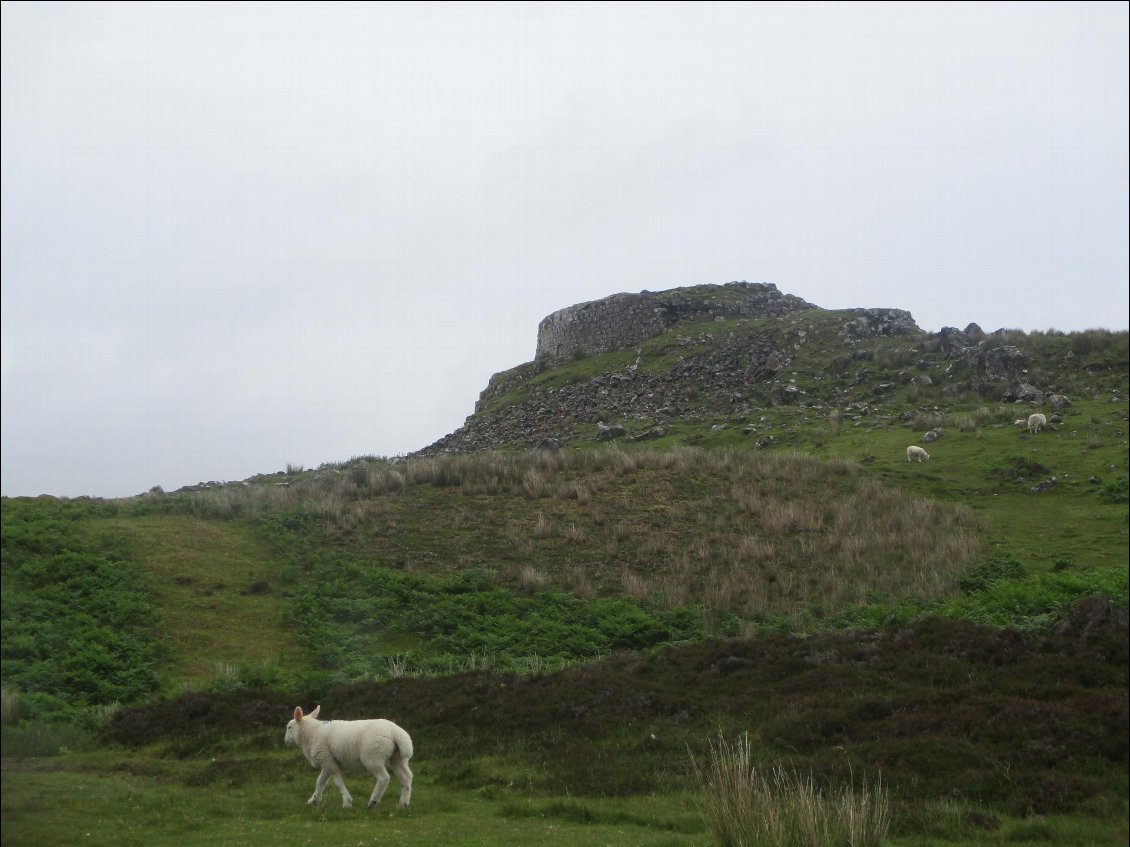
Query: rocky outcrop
x=867, y=323
x=733, y=375
x=724, y=377
x=589, y=329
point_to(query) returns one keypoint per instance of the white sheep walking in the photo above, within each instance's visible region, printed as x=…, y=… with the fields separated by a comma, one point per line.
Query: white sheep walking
x=915, y=452
x=1036, y=421
x=333, y=745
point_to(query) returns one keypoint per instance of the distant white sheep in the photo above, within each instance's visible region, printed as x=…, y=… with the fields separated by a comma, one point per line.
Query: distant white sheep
x=1036, y=421
x=915, y=452
x=333, y=745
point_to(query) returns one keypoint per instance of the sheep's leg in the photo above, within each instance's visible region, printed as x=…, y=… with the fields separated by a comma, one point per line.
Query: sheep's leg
x=378, y=770
x=319, y=787
x=404, y=774
x=346, y=797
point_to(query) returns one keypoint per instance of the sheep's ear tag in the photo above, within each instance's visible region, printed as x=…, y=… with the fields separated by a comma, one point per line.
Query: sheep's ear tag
x=298, y=713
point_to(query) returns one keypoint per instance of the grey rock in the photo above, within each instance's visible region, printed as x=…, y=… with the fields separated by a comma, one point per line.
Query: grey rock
x=606, y=431
x=624, y=320
x=953, y=342
x=650, y=434
x=1022, y=392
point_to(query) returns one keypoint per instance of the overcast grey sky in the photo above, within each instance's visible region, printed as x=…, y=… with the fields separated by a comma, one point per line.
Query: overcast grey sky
x=237, y=236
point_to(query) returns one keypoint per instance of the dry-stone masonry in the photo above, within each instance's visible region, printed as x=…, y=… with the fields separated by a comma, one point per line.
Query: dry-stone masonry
x=731, y=373
x=621, y=320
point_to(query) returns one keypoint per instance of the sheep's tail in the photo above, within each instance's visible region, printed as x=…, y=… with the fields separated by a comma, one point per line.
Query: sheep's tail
x=403, y=742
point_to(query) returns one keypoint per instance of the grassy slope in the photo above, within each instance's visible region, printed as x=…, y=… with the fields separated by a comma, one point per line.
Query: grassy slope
x=215, y=584
x=1069, y=522
x=1066, y=524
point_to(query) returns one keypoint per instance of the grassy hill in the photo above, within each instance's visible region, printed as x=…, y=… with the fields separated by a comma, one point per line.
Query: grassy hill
x=753, y=554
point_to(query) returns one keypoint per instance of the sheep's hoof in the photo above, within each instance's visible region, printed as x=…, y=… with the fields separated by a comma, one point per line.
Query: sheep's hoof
x=372, y=804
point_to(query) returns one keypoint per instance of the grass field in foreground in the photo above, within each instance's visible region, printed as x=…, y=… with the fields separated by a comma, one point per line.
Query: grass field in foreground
x=129, y=800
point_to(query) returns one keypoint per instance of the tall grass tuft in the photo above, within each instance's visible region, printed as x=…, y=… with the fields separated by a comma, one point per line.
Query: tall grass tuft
x=746, y=805
x=10, y=707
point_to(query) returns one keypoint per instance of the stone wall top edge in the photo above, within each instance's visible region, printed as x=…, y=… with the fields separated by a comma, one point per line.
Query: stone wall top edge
x=646, y=294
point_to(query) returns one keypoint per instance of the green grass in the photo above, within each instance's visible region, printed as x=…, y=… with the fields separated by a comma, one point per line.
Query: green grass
x=220, y=591
x=119, y=802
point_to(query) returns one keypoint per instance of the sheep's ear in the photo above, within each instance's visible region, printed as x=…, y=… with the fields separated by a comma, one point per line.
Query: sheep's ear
x=298, y=713
x=317, y=709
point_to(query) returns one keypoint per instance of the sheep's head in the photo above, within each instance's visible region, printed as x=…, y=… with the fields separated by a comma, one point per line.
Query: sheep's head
x=291, y=736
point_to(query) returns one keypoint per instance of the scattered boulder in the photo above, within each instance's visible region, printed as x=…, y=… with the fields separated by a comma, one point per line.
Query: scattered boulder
x=650, y=434
x=934, y=435
x=953, y=342
x=1005, y=364
x=607, y=431
x=885, y=322
x=1022, y=392
x=785, y=394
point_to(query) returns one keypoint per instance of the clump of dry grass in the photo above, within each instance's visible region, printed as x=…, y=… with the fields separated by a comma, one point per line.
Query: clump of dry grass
x=747, y=805
x=580, y=583
x=10, y=707
x=534, y=484
x=635, y=586
x=544, y=527
x=573, y=534
x=533, y=579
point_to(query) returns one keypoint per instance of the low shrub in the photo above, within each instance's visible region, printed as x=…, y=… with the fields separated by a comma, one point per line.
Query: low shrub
x=992, y=569
x=1017, y=467
x=1116, y=491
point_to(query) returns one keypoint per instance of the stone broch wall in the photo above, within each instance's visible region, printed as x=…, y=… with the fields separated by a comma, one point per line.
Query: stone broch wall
x=621, y=320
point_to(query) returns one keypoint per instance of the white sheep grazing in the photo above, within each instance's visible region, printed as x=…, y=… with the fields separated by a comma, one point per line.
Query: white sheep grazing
x=332, y=745
x=915, y=452
x=1036, y=421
